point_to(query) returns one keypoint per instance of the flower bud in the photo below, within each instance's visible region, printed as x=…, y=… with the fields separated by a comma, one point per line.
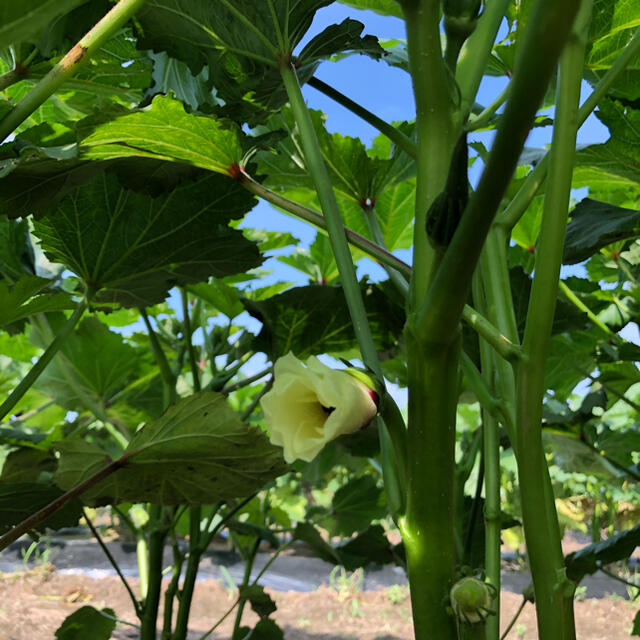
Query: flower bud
x=471, y=600
x=310, y=404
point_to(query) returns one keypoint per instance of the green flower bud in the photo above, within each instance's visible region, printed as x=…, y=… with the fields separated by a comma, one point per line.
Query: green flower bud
x=471, y=600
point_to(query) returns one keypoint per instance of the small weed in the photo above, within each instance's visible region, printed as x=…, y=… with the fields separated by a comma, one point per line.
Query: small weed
x=355, y=609
x=38, y=554
x=580, y=594
x=397, y=593
x=521, y=629
x=344, y=583
x=303, y=622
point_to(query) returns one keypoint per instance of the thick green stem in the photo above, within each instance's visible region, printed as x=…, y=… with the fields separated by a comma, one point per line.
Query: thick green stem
x=427, y=529
x=516, y=208
x=554, y=592
x=438, y=128
x=364, y=244
x=191, y=573
x=544, y=38
x=93, y=40
x=142, y=556
x=156, y=548
x=27, y=382
x=395, y=135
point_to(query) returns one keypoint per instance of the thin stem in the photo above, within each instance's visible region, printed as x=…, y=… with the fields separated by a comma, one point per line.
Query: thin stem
x=142, y=556
x=396, y=278
x=516, y=208
x=246, y=381
x=554, y=592
x=27, y=382
x=222, y=619
x=168, y=379
x=573, y=298
x=39, y=516
x=69, y=64
x=112, y=560
x=315, y=218
x=228, y=517
x=514, y=619
x=483, y=118
x=615, y=576
x=255, y=400
x=248, y=565
x=502, y=345
x=335, y=227
x=172, y=588
x=272, y=559
x=395, y=135
x=195, y=372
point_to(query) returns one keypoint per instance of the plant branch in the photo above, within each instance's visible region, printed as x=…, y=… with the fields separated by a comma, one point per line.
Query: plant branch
x=69, y=64
x=315, y=218
x=516, y=208
x=27, y=382
x=255, y=400
x=546, y=33
x=395, y=135
x=575, y=300
x=195, y=373
x=502, y=345
x=57, y=504
x=246, y=381
x=514, y=619
x=112, y=560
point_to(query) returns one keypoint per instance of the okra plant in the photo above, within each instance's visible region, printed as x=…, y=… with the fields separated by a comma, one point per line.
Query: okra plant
x=138, y=134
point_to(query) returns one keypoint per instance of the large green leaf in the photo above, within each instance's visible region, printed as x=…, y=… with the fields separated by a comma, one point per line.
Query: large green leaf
x=26, y=298
x=20, y=21
x=198, y=452
x=19, y=500
x=87, y=622
x=242, y=43
x=595, y=225
x=588, y=559
x=614, y=23
x=166, y=131
x=314, y=319
x=97, y=360
x=134, y=248
x=614, y=164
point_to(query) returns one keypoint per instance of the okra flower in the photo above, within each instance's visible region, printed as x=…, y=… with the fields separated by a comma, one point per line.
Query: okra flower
x=311, y=405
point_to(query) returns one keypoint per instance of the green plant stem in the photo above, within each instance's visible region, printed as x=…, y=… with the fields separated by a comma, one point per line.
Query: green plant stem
x=339, y=243
x=428, y=527
x=272, y=559
x=168, y=378
x=554, y=592
x=248, y=565
x=172, y=589
x=546, y=33
x=227, y=613
x=142, y=556
x=395, y=135
x=514, y=619
x=112, y=560
x=461, y=478
x=255, y=400
x=57, y=504
x=476, y=51
x=69, y=64
x=573, y=299
x=437, y=126
x=304, y=213
x=9, y=78
x=485, y=329
x=396, y=278
x=615, y=576
x=156, y=549
x=27, y=382
x=246, y=381
x=516, y=208
x=491, y=455
x=483, y=118
x=193, y=361
x=191, y=573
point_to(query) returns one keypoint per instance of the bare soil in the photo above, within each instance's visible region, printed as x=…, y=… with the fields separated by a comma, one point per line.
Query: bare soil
x=34, y=603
